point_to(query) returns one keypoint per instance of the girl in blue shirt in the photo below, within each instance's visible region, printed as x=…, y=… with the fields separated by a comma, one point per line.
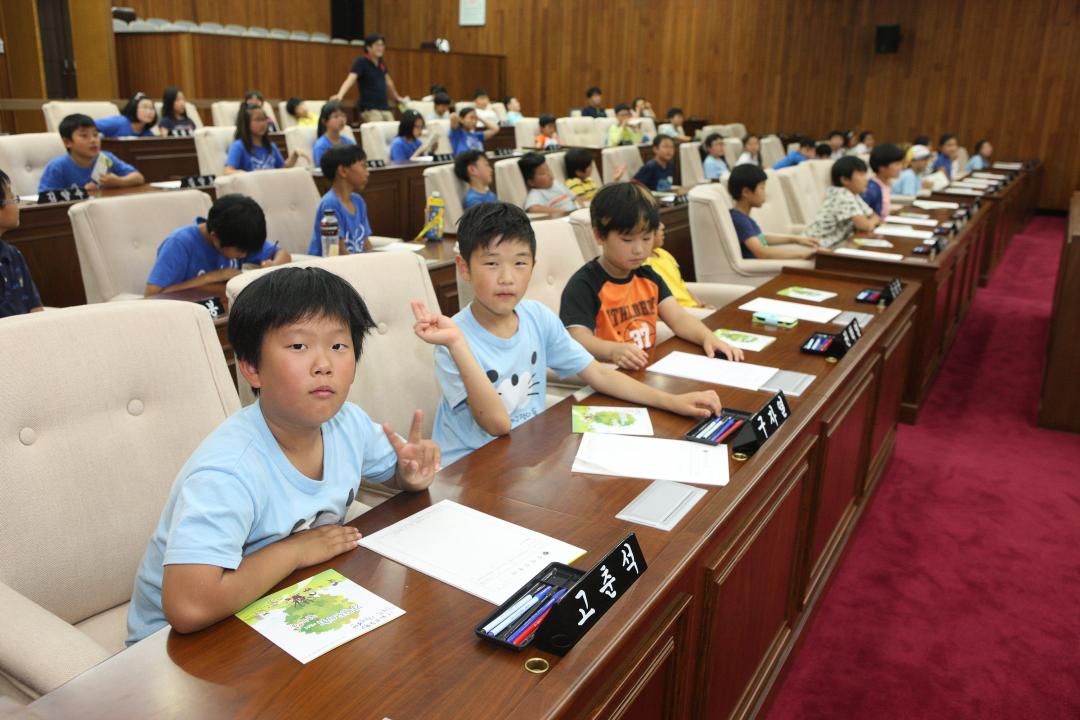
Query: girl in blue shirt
x=463, y=133
x=948, y=149
x=712, y=155
x=253, y=149
x=332, y=121
x=174, y=112
x=136, y=119
x=981, y=159
x=409, y=143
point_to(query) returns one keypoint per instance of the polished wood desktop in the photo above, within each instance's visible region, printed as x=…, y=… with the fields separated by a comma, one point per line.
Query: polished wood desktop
x=704, y=632
x=1059, y=404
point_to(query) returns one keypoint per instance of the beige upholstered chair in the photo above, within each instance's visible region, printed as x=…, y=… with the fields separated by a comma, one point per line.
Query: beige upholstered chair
x=287, y=196
x=557, y=162
x=708, y=130
x=87, y=467
x=690, y=165
x=801, y=191
x=302, y=139
x=424, y=107
x=737, y=130
x=581, y=224
x=509, y=183
x=615, y=157
x=732, y=150
x=600, y=130
x=577, y=132
x=441, y=128
x=774, y=216
x=117, y=238
x=441, y=179
x=24, y=157
x=647, y=127
x=189, y=108
x=822, y=172
x=212, y=146
x=57, y=110
x=717, y=256
x=525, y=131
x=500, y=110
x=224, y=112
x=962, y=159
x=288, y=121
x=376, y=138
x=772, y=150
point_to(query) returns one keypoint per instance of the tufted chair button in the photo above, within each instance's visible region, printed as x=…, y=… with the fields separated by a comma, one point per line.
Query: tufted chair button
x=135, y=407
x=27, y=436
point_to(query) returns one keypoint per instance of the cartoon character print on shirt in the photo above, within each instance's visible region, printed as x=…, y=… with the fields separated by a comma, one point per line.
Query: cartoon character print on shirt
x=324, y=517
x=516, y=389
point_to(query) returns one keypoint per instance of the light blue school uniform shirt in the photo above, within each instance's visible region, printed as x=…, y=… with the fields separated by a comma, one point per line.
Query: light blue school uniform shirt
x=909, y=183
x=354, y=227
x=975, y=164
x=512, y=118
x=323, y=144
x=184, y=254
x=714, y=167
x=261, y=157
x=238, y=493
x=119, y=126
x=516, y=366
x=462, y=140
x=401, y=150
x=475, y=197
x=63, y=172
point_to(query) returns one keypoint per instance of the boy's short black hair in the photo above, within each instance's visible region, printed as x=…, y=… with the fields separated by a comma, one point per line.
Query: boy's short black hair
x=253, y=93
x=373, y=38
x=745, y=177
x=625, y=207
x=439, y=88
x=491, y=223
x=131, y=109
x=945, y=138
x=921, y=140
x=823, y=150
x=441, y=98
x=546, y=120
x=5, y=183
x=73, y=122
x=845, y=168
x=577, y=159
x=508, y=98
x=806, y=142
x=464, y=160
x=865, y=134
x=238, y=222
x=620, y=107
x=480, y=92
x=834, y=133
x=592, y=91
x=291, y=104
x=290, y=295
x=672, y=112
x=883, y=155
x=656, y=141
x=529, y=163
x=342, y=155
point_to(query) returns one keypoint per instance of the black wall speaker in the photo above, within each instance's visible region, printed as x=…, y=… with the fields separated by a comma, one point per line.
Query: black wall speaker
x=347, y=19
x=887, y=39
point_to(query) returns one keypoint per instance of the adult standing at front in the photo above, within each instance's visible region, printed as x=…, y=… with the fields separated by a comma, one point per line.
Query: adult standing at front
x=375, y=82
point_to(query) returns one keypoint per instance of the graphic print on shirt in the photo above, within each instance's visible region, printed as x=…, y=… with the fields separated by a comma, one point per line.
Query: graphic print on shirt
x=324, y=517
x=516, y=390
x=628, y=312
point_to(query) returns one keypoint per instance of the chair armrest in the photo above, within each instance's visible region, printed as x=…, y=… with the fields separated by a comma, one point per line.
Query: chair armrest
x=754, y=268
x=717, y=294
x=39, y=649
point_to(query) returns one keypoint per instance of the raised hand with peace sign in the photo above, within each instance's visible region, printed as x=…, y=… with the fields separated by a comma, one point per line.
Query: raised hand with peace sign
x=418, y=459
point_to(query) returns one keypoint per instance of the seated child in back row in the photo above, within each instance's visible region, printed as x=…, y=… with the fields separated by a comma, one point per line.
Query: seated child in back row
x=329, y=133
x=622, y=132
x=267, y=491
x=674, y=125
x=659, y=173
x=713, y=164
x=545, y=194
x=137, y=119
x=474, y=169
x=18, y=295
x=844, y=211
x=612, y=303
x=86, y=165
x=212, y=249
x=667, y=267
x=346, y=168
x=886, y=161
x=915, y=177
x=299, y=110
x=463, y=133
x=746, y=185
x=579, y=178
x=253, y=149
x=547, y=138
x=493, y=356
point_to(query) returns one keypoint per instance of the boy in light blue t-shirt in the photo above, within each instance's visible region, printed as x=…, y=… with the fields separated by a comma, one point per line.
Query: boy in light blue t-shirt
x=346, y=167
x=474, y=169
x=492, y=357
x=267, y=492
x=85, y=164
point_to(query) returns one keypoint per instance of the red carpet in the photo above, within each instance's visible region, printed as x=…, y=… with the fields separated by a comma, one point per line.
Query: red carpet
x=959, y=596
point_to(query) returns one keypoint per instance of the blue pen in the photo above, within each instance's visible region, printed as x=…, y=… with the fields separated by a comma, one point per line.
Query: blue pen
x=543, y=609
x=517, y=610
x=708, y=429
x=720, y=431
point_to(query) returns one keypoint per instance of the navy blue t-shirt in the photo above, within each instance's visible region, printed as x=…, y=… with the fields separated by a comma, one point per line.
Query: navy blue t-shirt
x=18, y=295
x=371, y=77
x=655, y=176
x=745, y=228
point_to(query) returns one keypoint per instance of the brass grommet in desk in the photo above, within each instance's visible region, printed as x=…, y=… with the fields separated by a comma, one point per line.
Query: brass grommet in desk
x=536, y=665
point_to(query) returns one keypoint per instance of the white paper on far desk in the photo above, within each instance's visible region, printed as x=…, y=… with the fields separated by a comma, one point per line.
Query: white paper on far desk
x=953, y=190
x=713, y=370
x=903, y=231
x=907, y=220
x=793, y=309
x=399, y=247
x=869, y=254
x=167, y=184
x=652, y=459
x=470, y=550
x=1007, y=166
x=936, y=205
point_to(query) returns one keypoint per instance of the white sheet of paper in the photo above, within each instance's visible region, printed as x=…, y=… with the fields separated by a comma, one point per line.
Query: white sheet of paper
x=903, y=231
x=795, y=310
x=988, y=176
x=399, y=247
x=167, y=184
x=953, y=190
x=652, y=459
x=475, y=552
x=936, y=205
x=872, y=242
x=976, y=181
x=920, y=221
x=712, y=370
x=869, y=254
x=1007, y=166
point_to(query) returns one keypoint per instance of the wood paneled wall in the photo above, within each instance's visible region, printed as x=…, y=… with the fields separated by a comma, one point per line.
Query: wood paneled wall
x=1003, y=69
x=92, y=43
x=22, y=73
x=306, y=15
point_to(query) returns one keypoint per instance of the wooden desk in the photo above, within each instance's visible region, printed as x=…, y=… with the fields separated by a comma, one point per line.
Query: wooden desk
x=947, y=285
x=702, y=634
x=1059, y=404
x=166, y=158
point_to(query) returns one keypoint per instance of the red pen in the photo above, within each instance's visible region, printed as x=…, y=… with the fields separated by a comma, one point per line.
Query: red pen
x=735, y=426
x=826, y=345
x=527, y=632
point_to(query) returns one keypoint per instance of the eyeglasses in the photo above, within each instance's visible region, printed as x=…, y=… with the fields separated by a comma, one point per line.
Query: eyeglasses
x=13, y=200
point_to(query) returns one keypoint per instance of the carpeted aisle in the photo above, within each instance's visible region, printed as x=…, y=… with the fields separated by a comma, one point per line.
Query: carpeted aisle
x=959, y=596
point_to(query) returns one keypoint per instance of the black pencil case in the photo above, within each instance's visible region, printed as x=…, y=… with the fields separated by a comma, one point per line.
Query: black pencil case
x=556, y=575
x=725, y=414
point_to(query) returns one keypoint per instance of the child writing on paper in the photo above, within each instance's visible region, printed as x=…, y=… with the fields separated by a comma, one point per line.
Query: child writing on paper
x=844, y=211
x=545, y=194
x=332, y=121
x=612, y=303
x=212, y=249
x=18, y=294
x=268, y=491
x=137, y=119
x=746, y=185
x=886, y=161
x=86, y=165
x=346, y=168
x=252, y=149
x=474, y=169
x=492, y=357
x=410, y=142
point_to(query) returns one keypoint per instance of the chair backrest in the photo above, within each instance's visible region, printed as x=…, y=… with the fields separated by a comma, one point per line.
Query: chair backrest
x=690, y=164
x=224, y=112
x=288, y=197
x=610, y=112
x=424, y=107
x=614, y=157
x=581, y=224
x=396, y=372
x=376, y=138
x=189, y=108
x=575, y=112
x=279, y=34
x=557, y=162
x=737, y=130
x=441, y=179
x=772, y=150
x=299, y=35
x=647, y=127
x=109, y=432
x=257, y=32
x=708, y=130
x=774, y=216
x=303, y=140
x=801, y=192
x=577, y=131
x=962, y=159
x=509, y=183
x=211, y=27
x=142, y=26
x=822, y=172
x=117, y=238
x=24, y=157
x=287, y=120
x=600, y=129
x=57, y=110
x=712, y=234
x=557, y=258
x=442, y=129
x=525, y=131
x=211, y=146
x=732, y=150
x=119, y=26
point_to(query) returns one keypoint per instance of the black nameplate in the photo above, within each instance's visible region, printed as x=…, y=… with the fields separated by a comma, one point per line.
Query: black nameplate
x=442, y=157
x=892, y=290
x=681, y=200
x=503, y=152
x=213, y=305
x=763, y=425
x=591, y=597
x=181, y=132
x=70, y=194
x=197, y=181
x=376, y=163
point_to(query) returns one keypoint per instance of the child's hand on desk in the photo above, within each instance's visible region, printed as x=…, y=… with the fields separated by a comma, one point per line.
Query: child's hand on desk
x=713, y=345
x=434, y=329
x=704, y=403
x=418, y=459
x=807, y=241
x=222, y=275
x=318, y=545
x=629, y=356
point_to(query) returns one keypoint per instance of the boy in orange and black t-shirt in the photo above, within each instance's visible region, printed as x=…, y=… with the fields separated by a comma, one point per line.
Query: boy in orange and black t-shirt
x=611, y=304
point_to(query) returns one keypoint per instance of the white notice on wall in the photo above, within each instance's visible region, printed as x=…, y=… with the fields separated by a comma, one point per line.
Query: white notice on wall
x=471, y=12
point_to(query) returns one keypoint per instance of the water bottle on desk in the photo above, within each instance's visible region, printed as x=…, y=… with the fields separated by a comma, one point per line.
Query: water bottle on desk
x=328, y=234
x=433, y=215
